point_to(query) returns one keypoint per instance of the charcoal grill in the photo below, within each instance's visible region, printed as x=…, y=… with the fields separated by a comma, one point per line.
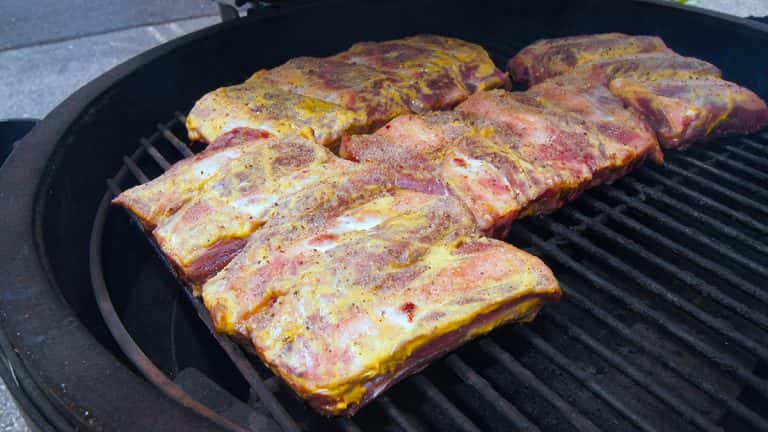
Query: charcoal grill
x=663, y=325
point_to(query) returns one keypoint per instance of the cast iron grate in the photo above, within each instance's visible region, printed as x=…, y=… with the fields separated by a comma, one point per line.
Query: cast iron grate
x=663, y=326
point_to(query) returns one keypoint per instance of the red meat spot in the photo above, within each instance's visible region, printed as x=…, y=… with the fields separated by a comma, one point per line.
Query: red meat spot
x=460, y=162
x=408, y=309
x=322, y=239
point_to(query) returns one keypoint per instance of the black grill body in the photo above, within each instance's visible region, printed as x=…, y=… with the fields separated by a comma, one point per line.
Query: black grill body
x=663, y=325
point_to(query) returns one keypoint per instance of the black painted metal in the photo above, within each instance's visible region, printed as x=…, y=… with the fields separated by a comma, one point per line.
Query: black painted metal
x=662, y=325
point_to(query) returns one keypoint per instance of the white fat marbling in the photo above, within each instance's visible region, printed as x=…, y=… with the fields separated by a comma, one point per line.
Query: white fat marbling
x=255, y=206
x=347, y=224
x=207, y=167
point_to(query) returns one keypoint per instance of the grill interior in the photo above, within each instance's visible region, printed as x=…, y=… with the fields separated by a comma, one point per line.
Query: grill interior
x=663, y=325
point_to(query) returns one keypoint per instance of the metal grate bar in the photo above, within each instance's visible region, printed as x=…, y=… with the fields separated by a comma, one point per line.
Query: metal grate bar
x=724, y=175
x=486, y=390
x=522, y=374
x=689, y=278
x=748, y=156
x=447, y=407
x=584, y=378
x=347, y=425
x=731, y=194
x=156, y=156
x=690, y=232
x=722, y=271
x=630, y=371
x=576, y=298
x=716, y=324
x=180, y=145
x=135, y=170
x=233, y=352
x=710, y=203
x=246, y=369
x=397, y=415
x=757, y=146
x=180, y=117
x=743, y=169
x=725, y=363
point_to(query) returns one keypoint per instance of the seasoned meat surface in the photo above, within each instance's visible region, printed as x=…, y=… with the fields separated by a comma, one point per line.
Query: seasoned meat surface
x=343, y=301
x=201, y=211
x=352, y=92
x=683, y=111
x=508, y=155
x=682, y=99
x=547, y=58
x=276, y=112
x=646, y=67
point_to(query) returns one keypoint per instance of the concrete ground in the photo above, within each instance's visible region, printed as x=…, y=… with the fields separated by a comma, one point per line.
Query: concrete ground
x=50, y=48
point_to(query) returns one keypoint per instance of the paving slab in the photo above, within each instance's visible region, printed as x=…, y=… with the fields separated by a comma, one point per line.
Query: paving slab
x=35, y=79
x=25, y=22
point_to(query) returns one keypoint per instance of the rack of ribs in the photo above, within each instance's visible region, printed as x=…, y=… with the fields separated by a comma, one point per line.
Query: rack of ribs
x=343, y=301
x=352, y=92
x=508, y=155
x=202, y=210
x=683, y=99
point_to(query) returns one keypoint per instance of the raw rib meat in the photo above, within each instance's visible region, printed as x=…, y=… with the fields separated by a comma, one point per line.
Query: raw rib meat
x=201, y=211
x=510, y=155
x=683, y=99
x=353, y=92
x=547, y=58
x=344, y=301
x=683, y=111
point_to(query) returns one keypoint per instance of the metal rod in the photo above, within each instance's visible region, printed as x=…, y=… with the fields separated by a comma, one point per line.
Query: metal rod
x=347, y=425
x=596, y=388
x=118, y=330
x=246, y=369
x=180, y=145
x=710, y=203
x=729, y=193
x=750, y=157
x=677, y=249
x=398, y=416
x=469, y=376
x=155, y=154
x=633, y=373
x=574, y=417
x=690, y=232
x=651, y=348
x=135, y=170
x=755, y=145
x=742, y=169
x=716, y=324
x=435, y=395
x=725, y=176
x=689, y=278
x=725, y=363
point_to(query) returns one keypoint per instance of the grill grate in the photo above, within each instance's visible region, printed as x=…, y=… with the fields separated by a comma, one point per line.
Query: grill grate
x=663, y=323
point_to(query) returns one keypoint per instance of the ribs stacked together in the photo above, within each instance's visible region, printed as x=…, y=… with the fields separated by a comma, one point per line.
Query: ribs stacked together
x=597, y=107
x=346, y=275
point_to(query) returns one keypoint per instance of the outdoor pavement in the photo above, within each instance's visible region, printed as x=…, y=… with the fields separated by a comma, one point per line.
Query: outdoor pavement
x=50, y=48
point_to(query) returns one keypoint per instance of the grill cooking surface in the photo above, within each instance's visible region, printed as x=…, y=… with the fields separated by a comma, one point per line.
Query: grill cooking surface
x=663, y=325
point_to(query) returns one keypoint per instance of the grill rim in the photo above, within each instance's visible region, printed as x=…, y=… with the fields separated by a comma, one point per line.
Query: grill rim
x=24, y=181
